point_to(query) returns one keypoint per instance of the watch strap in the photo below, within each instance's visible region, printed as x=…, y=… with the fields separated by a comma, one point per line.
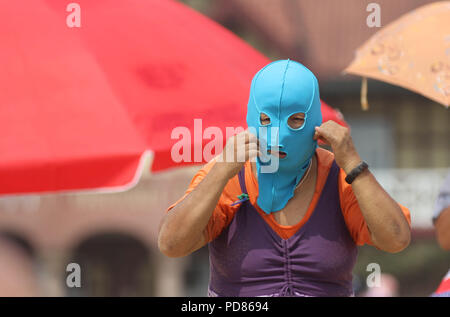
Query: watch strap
x=356, y=171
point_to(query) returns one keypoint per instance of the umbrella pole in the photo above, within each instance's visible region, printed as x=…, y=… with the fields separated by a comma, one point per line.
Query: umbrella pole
x=364, y=103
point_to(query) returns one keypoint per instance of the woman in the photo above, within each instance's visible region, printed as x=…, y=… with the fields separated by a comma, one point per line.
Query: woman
x=441, y=221
x=292, y=231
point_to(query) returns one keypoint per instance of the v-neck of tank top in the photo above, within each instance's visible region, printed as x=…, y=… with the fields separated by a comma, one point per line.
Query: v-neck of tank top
x=324, y=162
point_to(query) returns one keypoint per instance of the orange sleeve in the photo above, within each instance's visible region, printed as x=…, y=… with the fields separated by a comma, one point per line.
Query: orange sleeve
x=352, y=213
x=223, y=213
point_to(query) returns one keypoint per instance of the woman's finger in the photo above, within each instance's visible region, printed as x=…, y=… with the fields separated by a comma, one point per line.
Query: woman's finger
x=318, y=136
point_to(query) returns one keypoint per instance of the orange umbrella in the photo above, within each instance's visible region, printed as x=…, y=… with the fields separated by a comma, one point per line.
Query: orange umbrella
x=412, y=52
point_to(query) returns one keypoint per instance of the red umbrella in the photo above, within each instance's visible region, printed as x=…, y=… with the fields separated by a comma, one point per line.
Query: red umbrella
x=80, y=106
x=329, y=113
x=61, y=125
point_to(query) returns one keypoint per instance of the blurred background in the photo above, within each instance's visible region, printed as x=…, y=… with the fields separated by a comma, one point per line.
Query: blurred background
x=404, y=137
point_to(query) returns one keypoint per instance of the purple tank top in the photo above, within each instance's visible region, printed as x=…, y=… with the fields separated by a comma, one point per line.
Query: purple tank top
x=250, y=259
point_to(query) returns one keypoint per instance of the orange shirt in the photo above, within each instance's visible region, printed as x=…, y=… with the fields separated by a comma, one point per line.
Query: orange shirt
x=224, y=212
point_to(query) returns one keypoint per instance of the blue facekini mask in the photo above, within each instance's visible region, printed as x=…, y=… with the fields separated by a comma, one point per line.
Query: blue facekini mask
x=279, y=90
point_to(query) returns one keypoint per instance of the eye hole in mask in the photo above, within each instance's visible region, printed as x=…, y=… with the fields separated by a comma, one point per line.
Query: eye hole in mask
x=264, y=119
x=296, y=121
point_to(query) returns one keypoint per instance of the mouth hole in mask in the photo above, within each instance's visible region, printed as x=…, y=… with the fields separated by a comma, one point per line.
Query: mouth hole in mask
x=297, y=120
x=276, y=152
x=264, y=119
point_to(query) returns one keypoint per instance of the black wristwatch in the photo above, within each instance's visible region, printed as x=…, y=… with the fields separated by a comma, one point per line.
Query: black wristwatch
x=356, y=171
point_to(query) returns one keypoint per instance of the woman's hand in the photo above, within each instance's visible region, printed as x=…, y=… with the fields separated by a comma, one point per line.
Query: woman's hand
x=340, y=140
x=239, y=149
